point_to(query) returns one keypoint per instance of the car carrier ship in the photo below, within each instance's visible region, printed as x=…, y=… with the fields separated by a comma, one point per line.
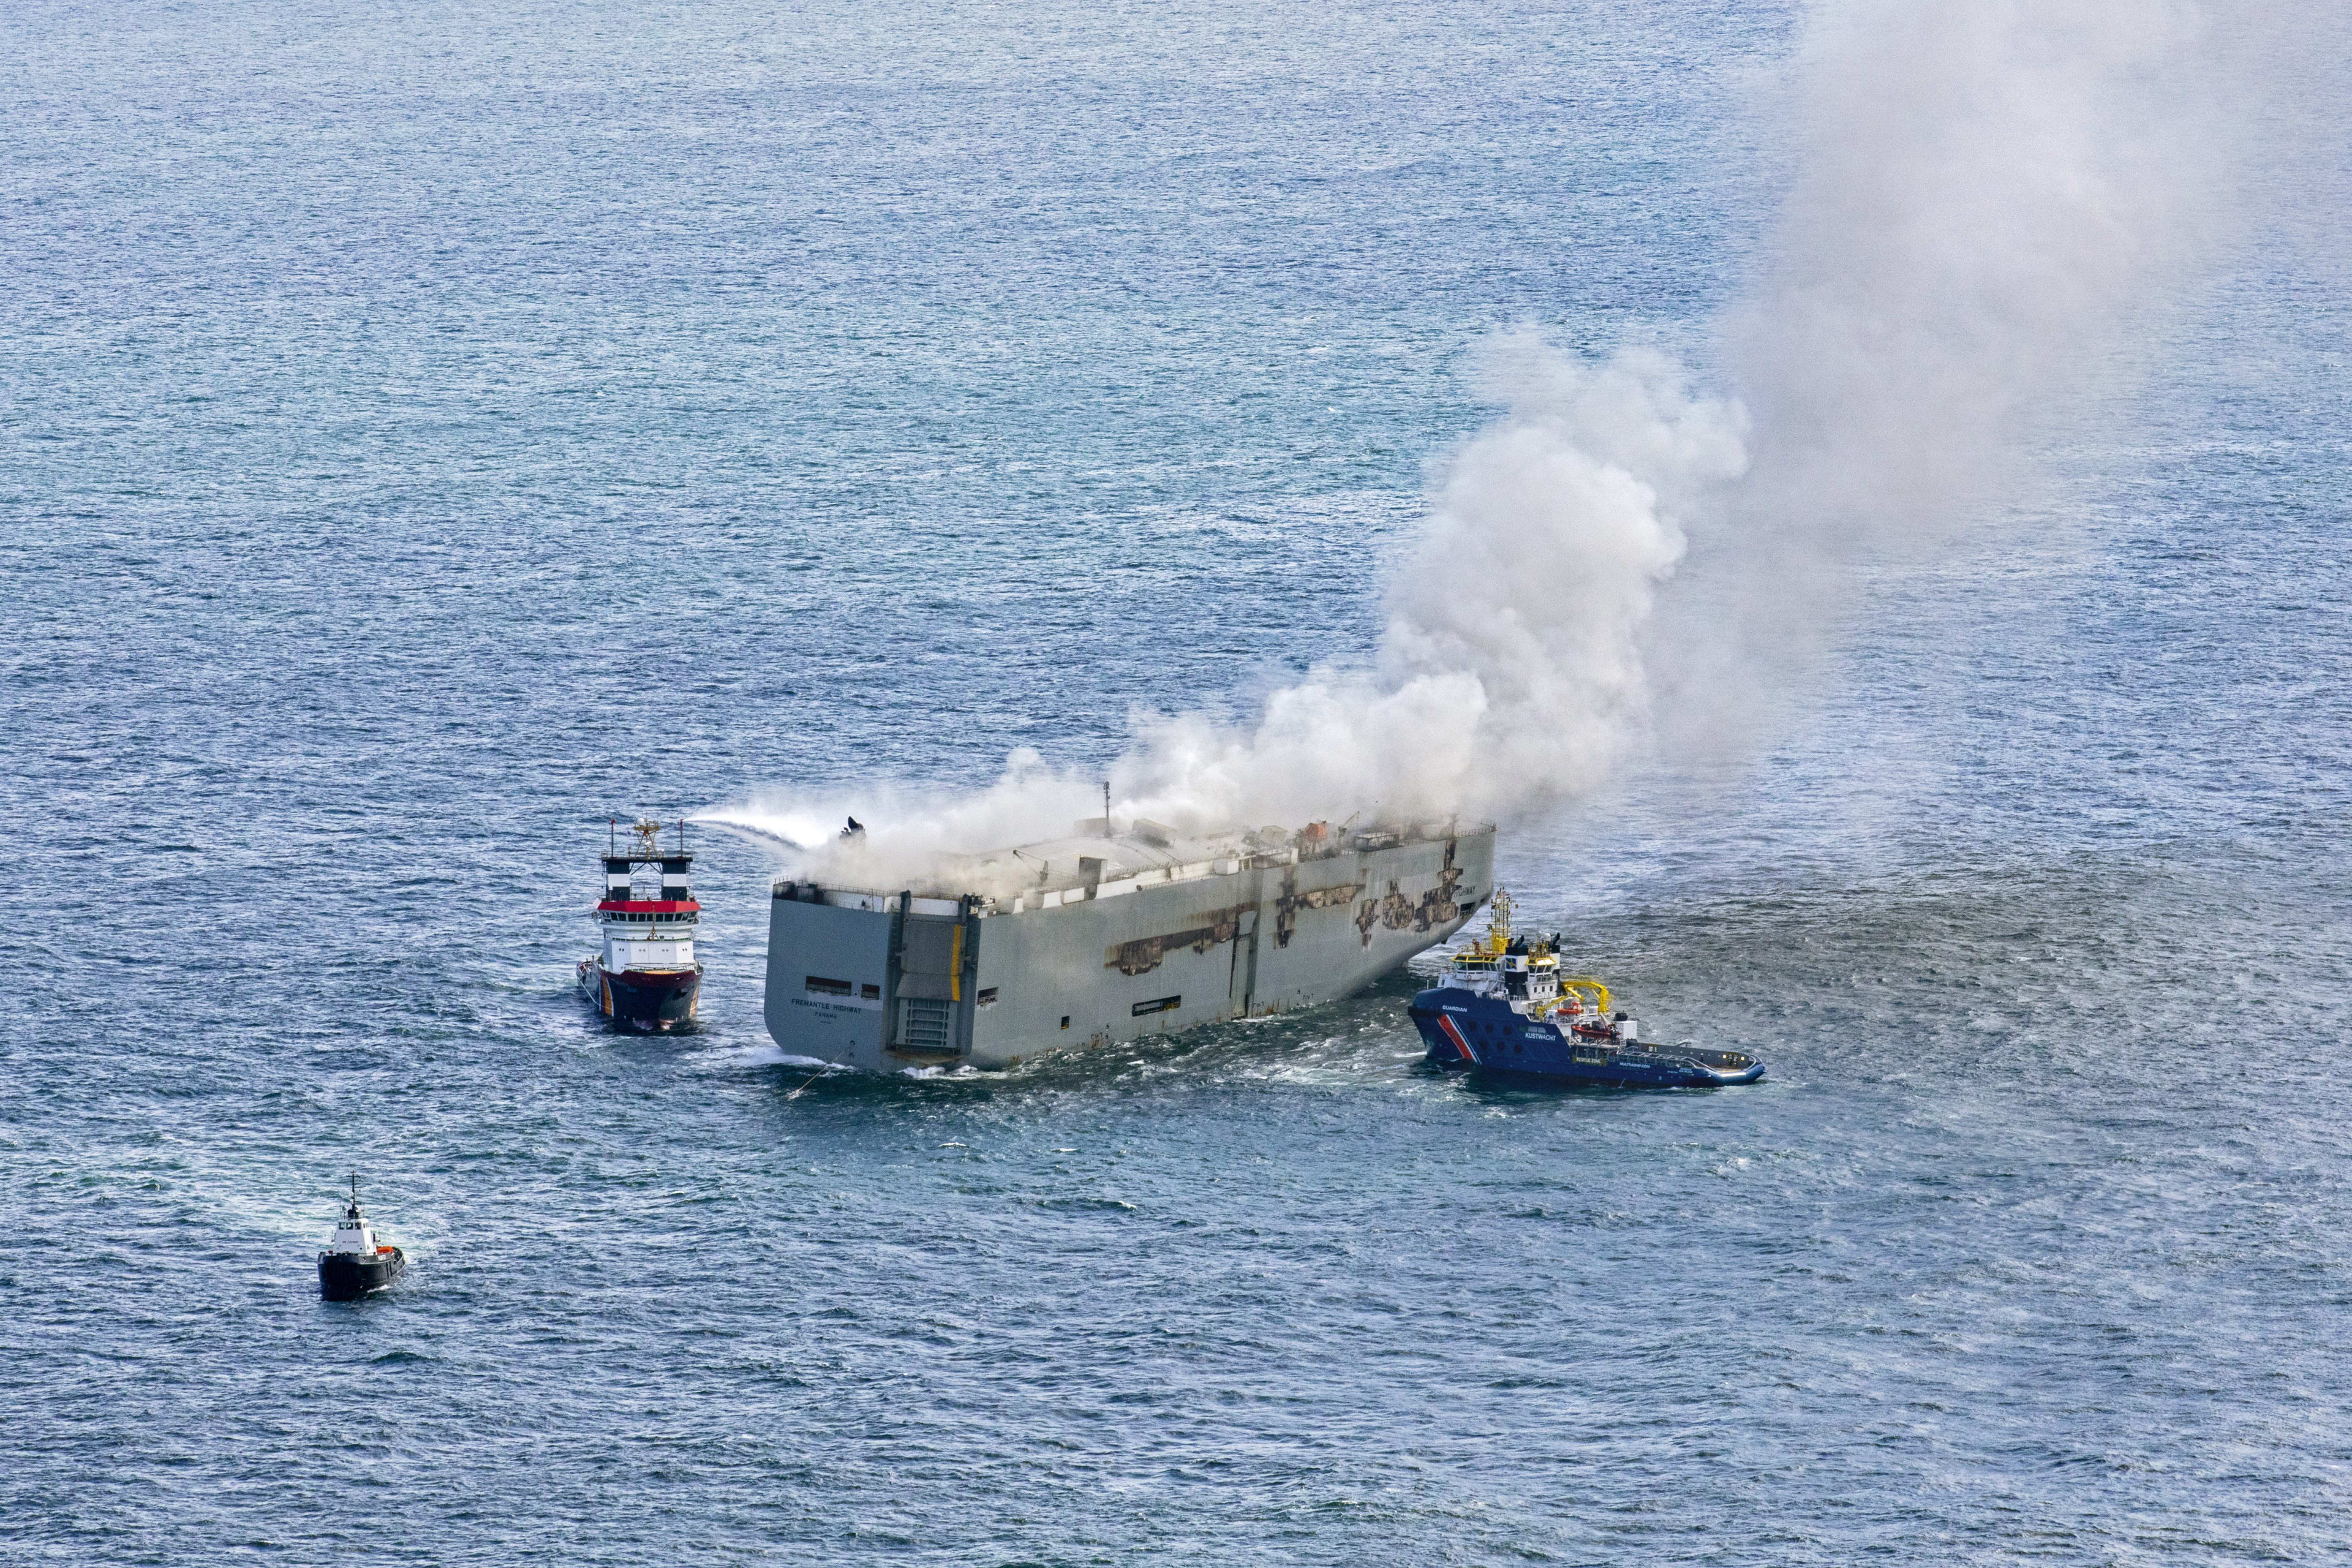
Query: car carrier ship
x=1106, y=936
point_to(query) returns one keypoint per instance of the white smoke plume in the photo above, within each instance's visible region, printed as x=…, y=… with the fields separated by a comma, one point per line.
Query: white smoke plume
x=1993, y=205
x=1996, y=210
x=1510, y=670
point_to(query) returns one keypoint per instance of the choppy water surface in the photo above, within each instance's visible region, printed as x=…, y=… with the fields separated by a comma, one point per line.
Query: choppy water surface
x=425, y=433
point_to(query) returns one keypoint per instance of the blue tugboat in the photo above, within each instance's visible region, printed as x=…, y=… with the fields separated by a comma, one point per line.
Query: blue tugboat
x=1504, y=1007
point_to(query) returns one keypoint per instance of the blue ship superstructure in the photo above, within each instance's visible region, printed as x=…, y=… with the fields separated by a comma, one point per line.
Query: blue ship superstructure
x=1504, y=1007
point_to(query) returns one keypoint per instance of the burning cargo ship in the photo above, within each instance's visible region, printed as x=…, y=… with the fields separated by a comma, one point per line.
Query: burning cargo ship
x=1103, y=937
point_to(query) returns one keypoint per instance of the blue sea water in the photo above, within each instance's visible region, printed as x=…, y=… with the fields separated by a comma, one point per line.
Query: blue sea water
x=428, y=430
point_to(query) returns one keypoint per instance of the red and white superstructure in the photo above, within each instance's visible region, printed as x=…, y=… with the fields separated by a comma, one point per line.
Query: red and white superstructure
x=646, y=975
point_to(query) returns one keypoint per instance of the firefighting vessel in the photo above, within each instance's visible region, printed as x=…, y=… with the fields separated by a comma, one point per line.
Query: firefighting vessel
x=356, y=1264
x=644, y=977
x=1107, y=935
x=1504, y=1007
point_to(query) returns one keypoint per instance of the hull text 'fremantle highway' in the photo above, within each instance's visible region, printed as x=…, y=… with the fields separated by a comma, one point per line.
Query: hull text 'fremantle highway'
x=644, y=976
x=1105, y=936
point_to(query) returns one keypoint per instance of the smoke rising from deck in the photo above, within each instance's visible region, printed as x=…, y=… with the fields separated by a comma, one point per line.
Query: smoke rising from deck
x=1510, y=669
x=1992, y=207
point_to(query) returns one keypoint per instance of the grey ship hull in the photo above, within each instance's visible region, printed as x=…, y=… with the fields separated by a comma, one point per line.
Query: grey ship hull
x=886, y=981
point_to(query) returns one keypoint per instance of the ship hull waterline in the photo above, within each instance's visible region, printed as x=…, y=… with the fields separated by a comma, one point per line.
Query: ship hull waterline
x=887, y=983
x=353, y=1275
x=643, y=1001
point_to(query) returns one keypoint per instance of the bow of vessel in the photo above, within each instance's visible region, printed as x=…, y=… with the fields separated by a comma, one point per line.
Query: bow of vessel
x=644, y=976
x=356, y=1264
x=1504, y=1006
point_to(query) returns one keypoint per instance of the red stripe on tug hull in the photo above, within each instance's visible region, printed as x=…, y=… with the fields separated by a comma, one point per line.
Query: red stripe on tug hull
x=1460, y=1042
x=648, y=907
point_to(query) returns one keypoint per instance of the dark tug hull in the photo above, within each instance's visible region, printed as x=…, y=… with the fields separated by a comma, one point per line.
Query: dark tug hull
x=352, y=1277
x=649, y=1001
x=1464, y=1029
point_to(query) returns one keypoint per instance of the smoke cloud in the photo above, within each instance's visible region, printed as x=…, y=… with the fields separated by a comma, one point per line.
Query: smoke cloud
x=1996, y=209
x=1510, y=671
x=1992, y=207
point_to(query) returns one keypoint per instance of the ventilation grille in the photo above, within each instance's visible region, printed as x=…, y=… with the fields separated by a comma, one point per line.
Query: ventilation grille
x=927, y=1026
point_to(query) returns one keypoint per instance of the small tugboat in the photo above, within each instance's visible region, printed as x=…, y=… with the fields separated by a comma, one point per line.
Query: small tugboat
x=1504, y=1007
x=356, y=1264
x=645, y=978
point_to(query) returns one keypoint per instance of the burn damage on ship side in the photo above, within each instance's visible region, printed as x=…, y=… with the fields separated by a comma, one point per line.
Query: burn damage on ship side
x=1105, y=936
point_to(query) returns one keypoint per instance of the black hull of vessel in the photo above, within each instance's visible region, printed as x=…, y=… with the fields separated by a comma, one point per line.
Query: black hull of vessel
x=351, y=1277
x=645, y=1001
